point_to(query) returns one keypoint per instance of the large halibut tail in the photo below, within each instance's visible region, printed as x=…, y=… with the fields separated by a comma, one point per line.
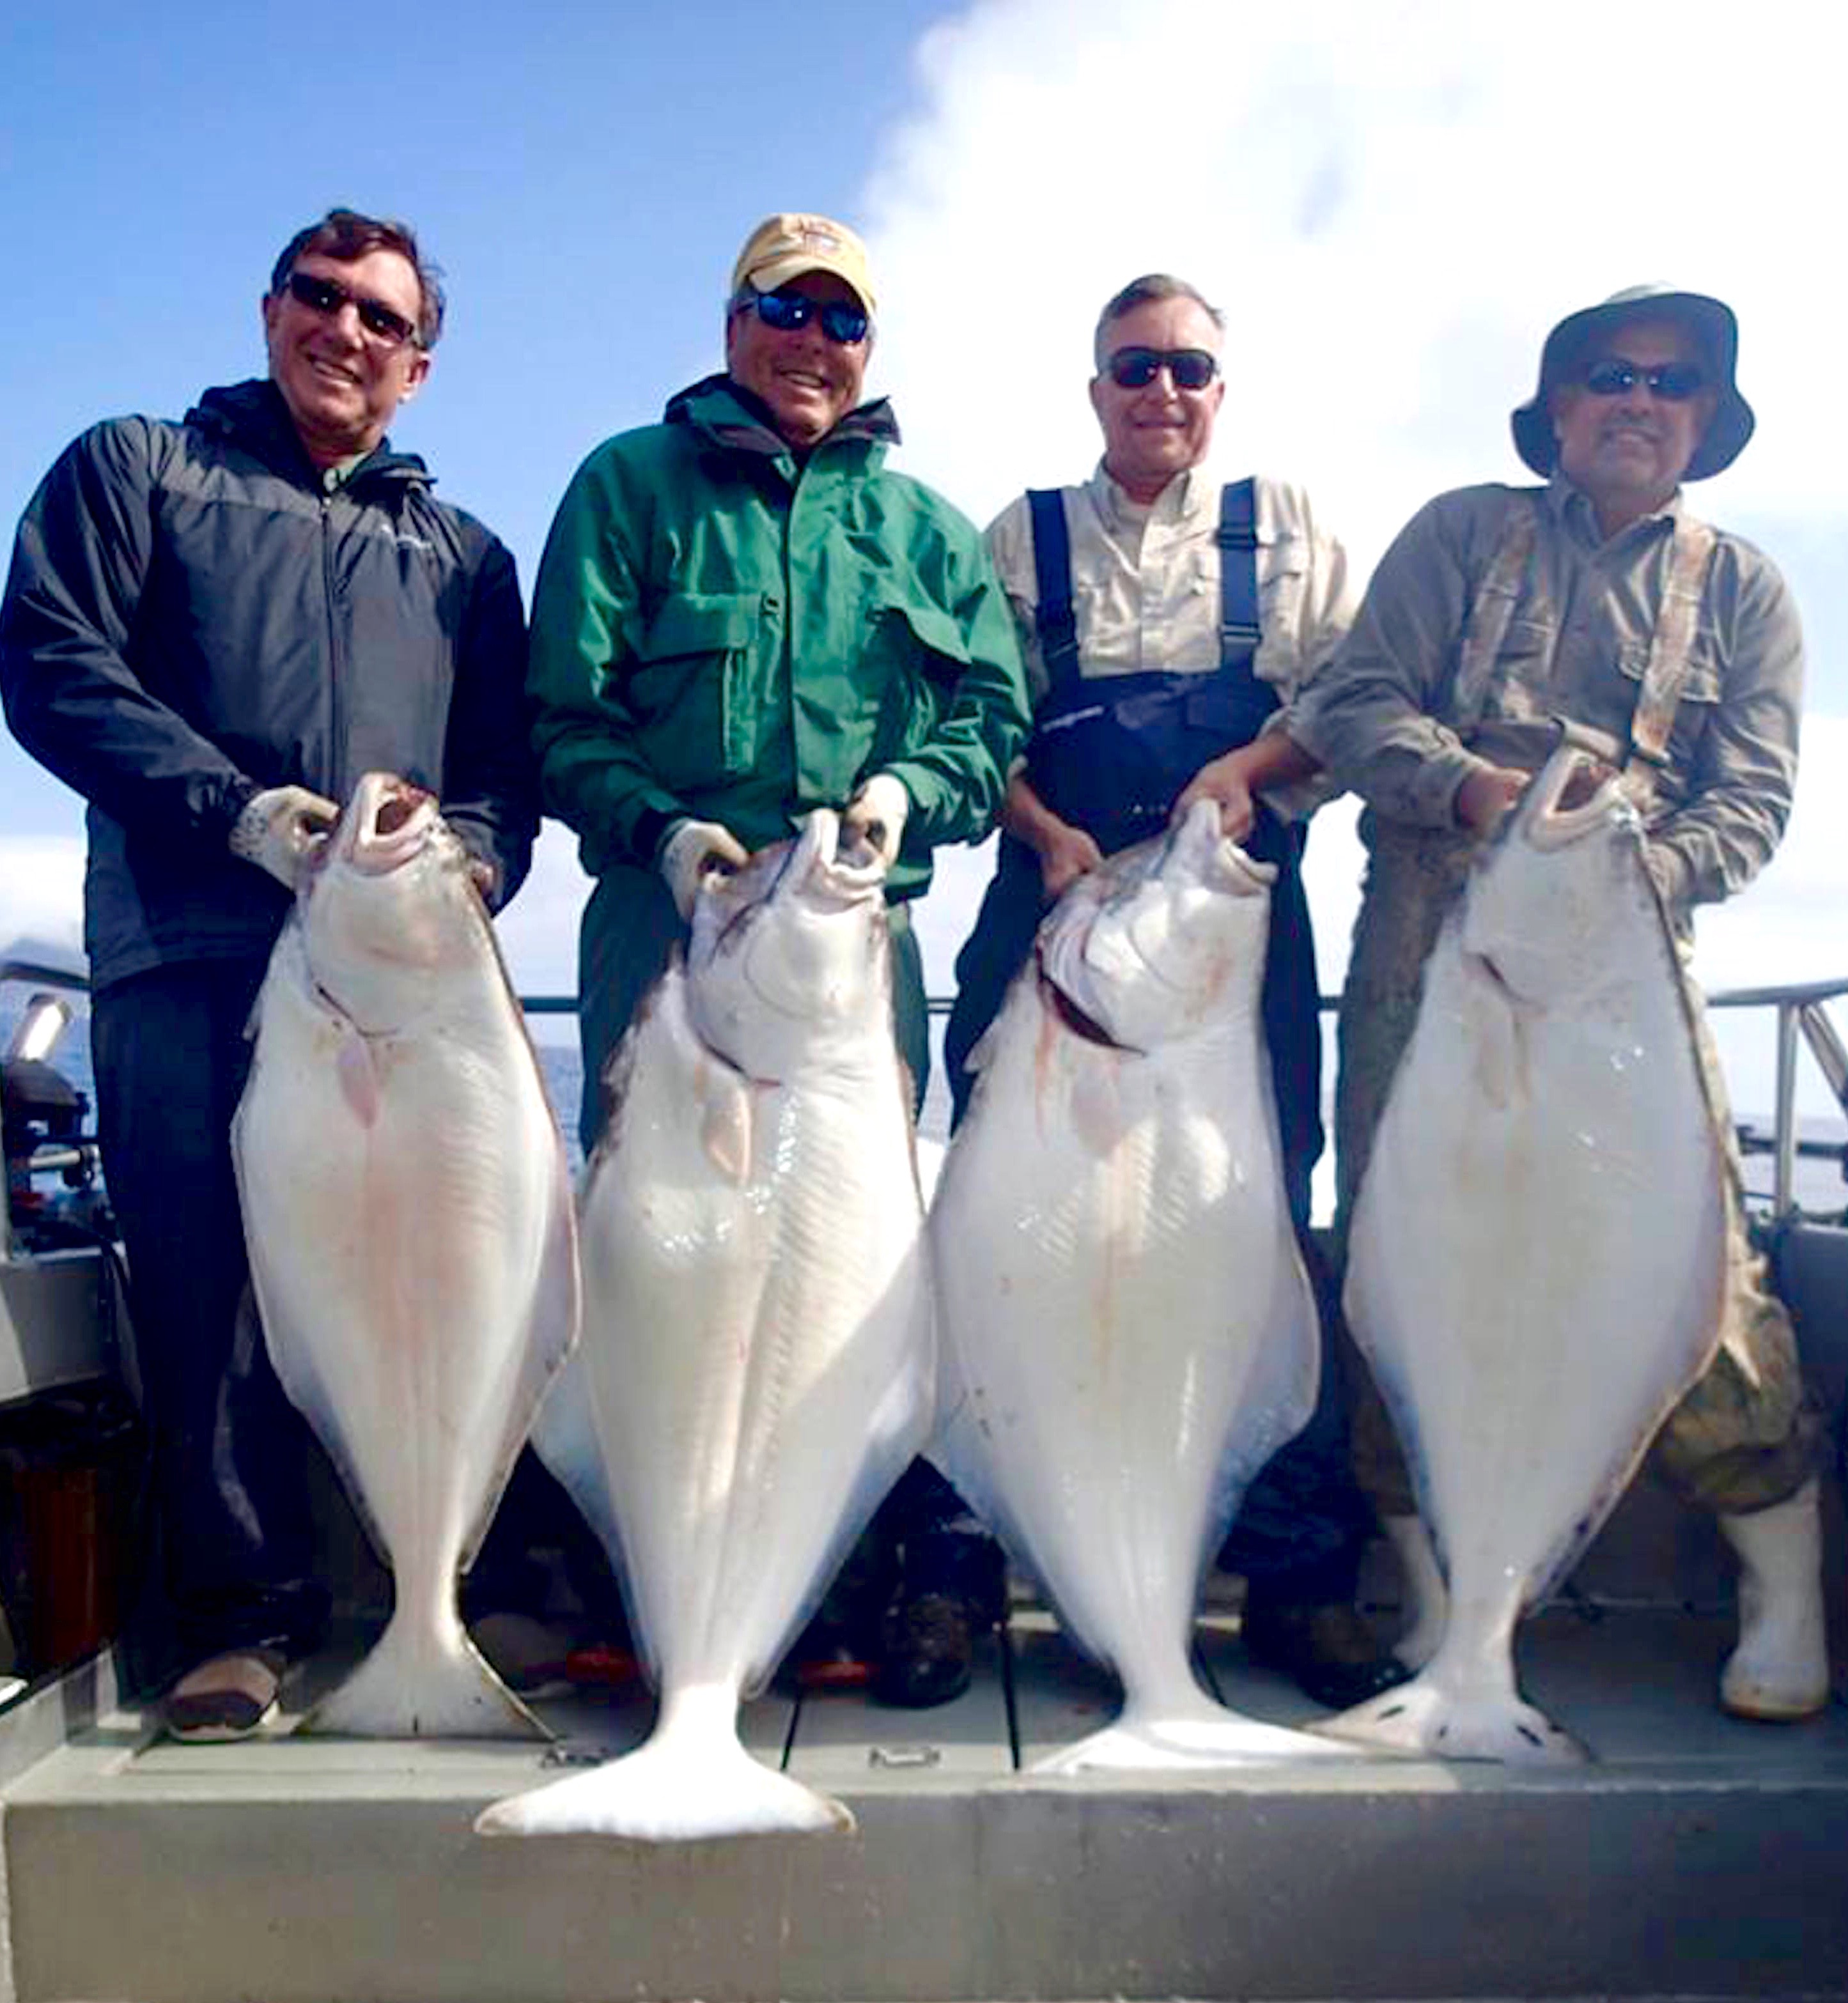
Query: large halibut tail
x=421, y=1683
x=692, y=1779
x=1173, y=1737
x=1455, y=1717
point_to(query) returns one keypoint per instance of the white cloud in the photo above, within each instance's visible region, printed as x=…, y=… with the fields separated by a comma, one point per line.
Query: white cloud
x=1393, y=203
x=41, y=891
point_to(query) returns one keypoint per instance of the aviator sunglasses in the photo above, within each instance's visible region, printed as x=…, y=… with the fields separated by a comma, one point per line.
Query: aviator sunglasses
x=1136, y=368
x=844, y=325
x=1674, y=382
x=324, y=295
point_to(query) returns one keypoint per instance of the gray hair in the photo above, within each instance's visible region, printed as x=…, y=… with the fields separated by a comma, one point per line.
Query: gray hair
x=1149, y=290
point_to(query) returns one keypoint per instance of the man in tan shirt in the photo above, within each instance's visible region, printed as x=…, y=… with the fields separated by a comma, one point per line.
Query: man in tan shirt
x=1497, y=609
x=1164, y=653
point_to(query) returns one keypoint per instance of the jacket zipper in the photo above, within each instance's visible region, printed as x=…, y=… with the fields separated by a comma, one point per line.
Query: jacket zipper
x=335, y=778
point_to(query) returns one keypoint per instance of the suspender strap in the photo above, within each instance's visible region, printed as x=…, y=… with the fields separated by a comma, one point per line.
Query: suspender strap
x=1238, y=573
x=1677, y=619
x=1688, y=557
x=1488, y=615
x=1054, y=617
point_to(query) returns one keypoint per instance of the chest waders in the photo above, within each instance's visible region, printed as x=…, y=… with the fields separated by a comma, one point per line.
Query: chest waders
x=1110, y=755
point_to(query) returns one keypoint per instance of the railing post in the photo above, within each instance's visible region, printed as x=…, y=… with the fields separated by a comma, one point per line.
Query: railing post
x=1783, y=1187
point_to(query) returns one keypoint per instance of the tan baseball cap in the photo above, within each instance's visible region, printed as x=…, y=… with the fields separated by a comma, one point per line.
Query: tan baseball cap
x=782, y=247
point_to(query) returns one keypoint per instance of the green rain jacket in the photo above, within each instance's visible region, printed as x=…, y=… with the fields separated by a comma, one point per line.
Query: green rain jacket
x=720, y=630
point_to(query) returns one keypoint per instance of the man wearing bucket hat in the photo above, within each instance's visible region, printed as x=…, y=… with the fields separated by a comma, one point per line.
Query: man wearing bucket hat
x=1597, y=597
x=742, y=615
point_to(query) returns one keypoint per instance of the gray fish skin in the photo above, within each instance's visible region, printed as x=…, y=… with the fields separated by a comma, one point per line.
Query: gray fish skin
x=758, y=1349
x=406, y=1204
x=1129, y=1331
x=1537, y=1259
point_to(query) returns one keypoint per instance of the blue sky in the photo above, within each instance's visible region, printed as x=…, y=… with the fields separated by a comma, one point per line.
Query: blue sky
x=1394, y=201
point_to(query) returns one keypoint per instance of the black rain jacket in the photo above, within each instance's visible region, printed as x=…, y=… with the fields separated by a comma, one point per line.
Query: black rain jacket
x=192, y=616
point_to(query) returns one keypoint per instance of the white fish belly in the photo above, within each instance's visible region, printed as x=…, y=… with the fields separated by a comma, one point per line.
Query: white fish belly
x=1128, y=1328
x=410, y=1233
x=1536, y=1259
x=758, y=1337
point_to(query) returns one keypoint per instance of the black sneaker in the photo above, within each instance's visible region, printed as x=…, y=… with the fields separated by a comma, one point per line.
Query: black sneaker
x=926, y=1651
x=1328, y=1652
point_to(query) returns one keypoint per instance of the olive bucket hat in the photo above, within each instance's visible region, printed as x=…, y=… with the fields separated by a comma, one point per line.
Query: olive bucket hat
x=1710, y=324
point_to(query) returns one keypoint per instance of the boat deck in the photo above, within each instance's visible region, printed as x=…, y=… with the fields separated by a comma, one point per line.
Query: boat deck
x=1697, y=1856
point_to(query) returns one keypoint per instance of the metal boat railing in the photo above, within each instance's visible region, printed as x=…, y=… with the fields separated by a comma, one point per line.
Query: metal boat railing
x=1801, y=1013
x=73, y=1158
x=1802, y=1021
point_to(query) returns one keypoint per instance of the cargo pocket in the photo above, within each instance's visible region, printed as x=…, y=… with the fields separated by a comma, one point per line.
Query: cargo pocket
x=1284, y=581
x=1520, y=688
x=686, y=688
x=925, y=655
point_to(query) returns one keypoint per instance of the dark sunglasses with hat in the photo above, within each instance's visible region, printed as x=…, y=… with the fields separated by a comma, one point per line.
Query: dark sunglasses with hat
x=1587, y=343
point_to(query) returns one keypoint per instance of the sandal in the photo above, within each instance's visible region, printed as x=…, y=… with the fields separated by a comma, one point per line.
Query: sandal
x=226, y=1697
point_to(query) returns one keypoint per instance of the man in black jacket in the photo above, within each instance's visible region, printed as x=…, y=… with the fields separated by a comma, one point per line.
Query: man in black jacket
x=210, y=630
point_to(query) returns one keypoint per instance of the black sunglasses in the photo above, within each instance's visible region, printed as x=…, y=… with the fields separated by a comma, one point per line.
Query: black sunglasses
x=1674, y=382
x=844, y=325
x=324, y=295
x=1136, y=368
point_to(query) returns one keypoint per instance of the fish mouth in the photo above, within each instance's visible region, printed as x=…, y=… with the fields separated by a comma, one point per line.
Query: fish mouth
x=813, y=866
x=1137, y=944
x=386, y=822
x=1086, y=1027
x=832, y=874
x=1196, y=843
x=1546, y=818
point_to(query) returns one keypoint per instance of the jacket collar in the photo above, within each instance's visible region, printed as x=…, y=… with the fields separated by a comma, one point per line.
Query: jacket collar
x=733, y=416
x=253, y=416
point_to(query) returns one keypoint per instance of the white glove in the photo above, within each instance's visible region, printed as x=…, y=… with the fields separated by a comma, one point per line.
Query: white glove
x=876, y=815
x=692, y=849
x=281, y=827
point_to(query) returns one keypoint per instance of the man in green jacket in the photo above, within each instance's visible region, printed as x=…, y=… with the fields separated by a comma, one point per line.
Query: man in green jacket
x=741, y=615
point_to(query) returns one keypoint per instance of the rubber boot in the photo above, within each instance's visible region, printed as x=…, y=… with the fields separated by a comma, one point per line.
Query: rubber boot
x=1779, y=1670
x=1427, y=1599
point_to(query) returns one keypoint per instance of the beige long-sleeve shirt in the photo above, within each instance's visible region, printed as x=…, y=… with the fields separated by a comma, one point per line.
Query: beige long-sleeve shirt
x=1382, y=717
x=1146, y=581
